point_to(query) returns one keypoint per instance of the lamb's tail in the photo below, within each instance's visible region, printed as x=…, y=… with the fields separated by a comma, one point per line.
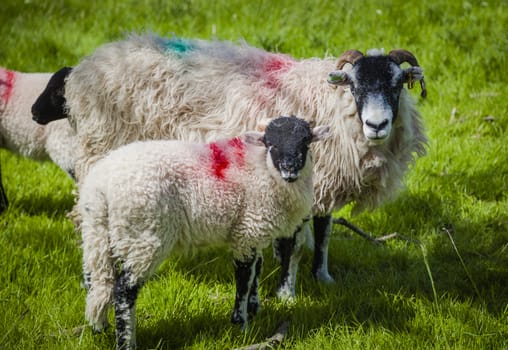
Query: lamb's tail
x=98, y=266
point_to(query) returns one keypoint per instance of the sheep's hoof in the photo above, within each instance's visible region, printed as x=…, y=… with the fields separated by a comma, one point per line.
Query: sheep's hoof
x=285, y=293
x=324, y=278
x=100, y=327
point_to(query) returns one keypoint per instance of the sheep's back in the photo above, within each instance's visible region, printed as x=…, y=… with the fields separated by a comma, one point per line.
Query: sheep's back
x=152, y=88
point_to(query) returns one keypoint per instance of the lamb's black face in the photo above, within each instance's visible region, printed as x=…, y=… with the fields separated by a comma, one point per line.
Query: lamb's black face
x=288, y=140
x=50, y=105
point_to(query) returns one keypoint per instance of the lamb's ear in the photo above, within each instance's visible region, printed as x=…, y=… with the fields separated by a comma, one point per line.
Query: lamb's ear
x=254, y=138
x=338, y=77
x=320, y=133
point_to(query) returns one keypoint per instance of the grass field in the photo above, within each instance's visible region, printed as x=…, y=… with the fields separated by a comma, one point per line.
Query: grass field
x=446, y=288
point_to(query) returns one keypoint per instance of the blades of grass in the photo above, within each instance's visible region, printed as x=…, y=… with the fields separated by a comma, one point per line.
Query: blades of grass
x=469, y=276
x=429, y=272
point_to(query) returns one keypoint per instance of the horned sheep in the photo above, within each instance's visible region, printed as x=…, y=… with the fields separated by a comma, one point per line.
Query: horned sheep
x=148, y=199
x=20, y=134
x=148, y=87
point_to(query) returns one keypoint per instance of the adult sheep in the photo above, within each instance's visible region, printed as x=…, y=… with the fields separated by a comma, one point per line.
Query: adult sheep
x=147, y=87
x=18, y=132
x=147, y=200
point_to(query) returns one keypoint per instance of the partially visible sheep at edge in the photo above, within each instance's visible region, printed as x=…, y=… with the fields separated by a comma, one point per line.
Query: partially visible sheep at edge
x=147, y=87
x=147, y=200
x=20, y=134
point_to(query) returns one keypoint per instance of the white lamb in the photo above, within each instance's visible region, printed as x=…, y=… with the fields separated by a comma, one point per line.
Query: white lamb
x=147, y=87
x=147, y=199
x=20, y=134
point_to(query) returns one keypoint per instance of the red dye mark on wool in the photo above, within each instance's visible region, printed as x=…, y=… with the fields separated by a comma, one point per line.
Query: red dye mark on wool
x=225, y=154
x=273, y=66
x=6, y=85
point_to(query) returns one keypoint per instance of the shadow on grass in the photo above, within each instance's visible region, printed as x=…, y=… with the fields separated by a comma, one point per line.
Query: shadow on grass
x=173, y=333
x=46, y=205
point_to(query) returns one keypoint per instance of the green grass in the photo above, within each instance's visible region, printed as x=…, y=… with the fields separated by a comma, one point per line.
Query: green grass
x=449, y=292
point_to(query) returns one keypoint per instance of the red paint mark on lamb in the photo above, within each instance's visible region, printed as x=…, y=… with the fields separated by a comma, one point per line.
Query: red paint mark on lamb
x=224, y=154
x=6, y=86
x=236, y=147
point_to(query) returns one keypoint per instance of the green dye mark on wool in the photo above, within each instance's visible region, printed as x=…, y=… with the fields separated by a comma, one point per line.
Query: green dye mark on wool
x=177, y=45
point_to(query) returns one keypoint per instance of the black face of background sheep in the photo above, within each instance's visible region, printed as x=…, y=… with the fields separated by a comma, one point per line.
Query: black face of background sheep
x=288, y=140
x=376, y=83
x=50, y=105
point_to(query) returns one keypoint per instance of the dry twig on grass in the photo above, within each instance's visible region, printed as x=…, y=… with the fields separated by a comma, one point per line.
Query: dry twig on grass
x=369, y=237
x=271, y=343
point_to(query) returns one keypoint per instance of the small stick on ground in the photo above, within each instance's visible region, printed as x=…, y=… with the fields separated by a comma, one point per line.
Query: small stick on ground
x=271, y=343
x=367, y=236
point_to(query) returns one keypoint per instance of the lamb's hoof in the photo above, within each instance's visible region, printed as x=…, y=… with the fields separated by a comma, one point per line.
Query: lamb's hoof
x=237, y=319
x=253, y=309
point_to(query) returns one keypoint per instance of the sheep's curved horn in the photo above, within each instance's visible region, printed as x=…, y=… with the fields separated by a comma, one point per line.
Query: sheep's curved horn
x=349, y=56
x=400, y=56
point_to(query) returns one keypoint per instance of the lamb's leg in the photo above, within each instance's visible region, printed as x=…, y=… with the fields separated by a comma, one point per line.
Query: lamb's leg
x=87, y=280
x=125, y=295
x=322, y=233
x=289, y=252
x=245, y=271
x=253, y=304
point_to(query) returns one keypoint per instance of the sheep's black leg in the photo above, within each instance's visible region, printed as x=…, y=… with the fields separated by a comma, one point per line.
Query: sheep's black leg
x=125, y=295
x=253, y=304
x=3, y=196
x=322, y=233
x=289, y=252
x=244, y=276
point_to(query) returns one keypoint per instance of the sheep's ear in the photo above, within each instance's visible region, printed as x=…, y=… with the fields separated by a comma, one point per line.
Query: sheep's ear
x=338, y=77
x=412, y=75
x=254, y=138
x=320, y=133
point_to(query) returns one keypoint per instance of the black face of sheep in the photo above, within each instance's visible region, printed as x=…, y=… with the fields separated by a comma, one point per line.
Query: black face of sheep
x=287, y=140
x=376, y=83
x=50, y=105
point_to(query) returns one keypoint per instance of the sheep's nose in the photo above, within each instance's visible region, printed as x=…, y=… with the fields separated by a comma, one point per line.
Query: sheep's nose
x=377, y=126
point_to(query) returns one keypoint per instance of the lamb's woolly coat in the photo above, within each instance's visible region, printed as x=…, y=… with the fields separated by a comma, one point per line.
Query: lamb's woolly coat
x=147, y=87
x=20, y=134
x=147, y=199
